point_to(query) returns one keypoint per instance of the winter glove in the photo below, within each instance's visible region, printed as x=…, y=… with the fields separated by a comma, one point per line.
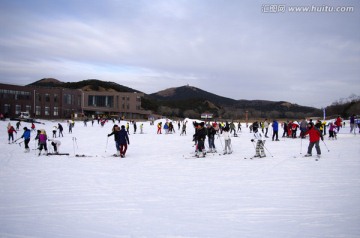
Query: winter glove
x=252, y=140
x=108, y=135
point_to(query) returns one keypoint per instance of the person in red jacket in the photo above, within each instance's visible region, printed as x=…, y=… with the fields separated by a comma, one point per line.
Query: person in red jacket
x=11, y=131
x=314, y=137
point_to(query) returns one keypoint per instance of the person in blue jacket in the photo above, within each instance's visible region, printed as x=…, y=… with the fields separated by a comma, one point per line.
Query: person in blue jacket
x=26, y=135
x=275, y=126
x=123, y=141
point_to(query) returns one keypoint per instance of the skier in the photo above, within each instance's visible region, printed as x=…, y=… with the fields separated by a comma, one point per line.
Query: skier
x=128, y=128
x=239, y=127
x=211, y=138
x=135, y=127
x=159, y=128
x=70, y=127
x=275, y=126
x=303, y=128
x=200, y=136
x=352, y=123
x=18, y=124
x=123, y=141
x=60, y=130
x=259, y=149
x=115, y=132
x=42, y=141
x=294, y=127
x=255, y=126
x=285, y=127
x=332, y=132
x=32, y=126
x=266, y=126
x=54, y=131
x=141, y=128
x=315, y=136
x=26, y=135
x=232, y=128
x=227, y=139
x=56, y=144
x=11, y=131
x=166, y=127
x=183, y=129
x=338, y=123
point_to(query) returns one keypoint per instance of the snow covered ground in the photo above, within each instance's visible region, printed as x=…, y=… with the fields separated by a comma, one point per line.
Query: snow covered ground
x=156, y=192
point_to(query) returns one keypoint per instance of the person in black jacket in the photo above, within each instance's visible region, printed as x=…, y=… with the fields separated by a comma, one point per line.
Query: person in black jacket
x=123, y=141
x=200, y=136
x=211, y=138
x=115, y=132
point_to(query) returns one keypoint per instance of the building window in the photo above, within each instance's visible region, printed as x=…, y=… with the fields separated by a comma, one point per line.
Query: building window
x=17, y=109
x=100, y=101
x=56, y=111
x=38, y=96
x=47, y=111
x=38, y=111
x=47, y=97
x=28, y=108
x=6, y=108
x=67, y=99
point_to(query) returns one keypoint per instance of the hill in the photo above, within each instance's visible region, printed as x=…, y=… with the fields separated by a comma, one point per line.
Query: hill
x=86, y=85
x=188, y=101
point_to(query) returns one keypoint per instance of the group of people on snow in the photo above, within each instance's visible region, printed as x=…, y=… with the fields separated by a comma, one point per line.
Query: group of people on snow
x=316, y=130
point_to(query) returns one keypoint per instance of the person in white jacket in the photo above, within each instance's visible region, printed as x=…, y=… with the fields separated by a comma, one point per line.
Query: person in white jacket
x=259, y=149
x=56, y=144
x=227, y=139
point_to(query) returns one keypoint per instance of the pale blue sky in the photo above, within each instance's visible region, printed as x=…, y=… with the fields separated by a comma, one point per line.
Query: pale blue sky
x=231, y=48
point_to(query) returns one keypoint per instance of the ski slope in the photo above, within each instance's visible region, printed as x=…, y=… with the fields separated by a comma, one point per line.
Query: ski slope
x=156, y=192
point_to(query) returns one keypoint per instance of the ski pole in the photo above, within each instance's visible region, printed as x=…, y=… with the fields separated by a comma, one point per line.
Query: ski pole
x=16, y=140
x=325, y=146
x=263, y=143
x=74, y=145
x=220, y=141
x=253, y=143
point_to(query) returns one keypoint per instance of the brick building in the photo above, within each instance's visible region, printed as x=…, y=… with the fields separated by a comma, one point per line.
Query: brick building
x=119, y=104
x=57, y=102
